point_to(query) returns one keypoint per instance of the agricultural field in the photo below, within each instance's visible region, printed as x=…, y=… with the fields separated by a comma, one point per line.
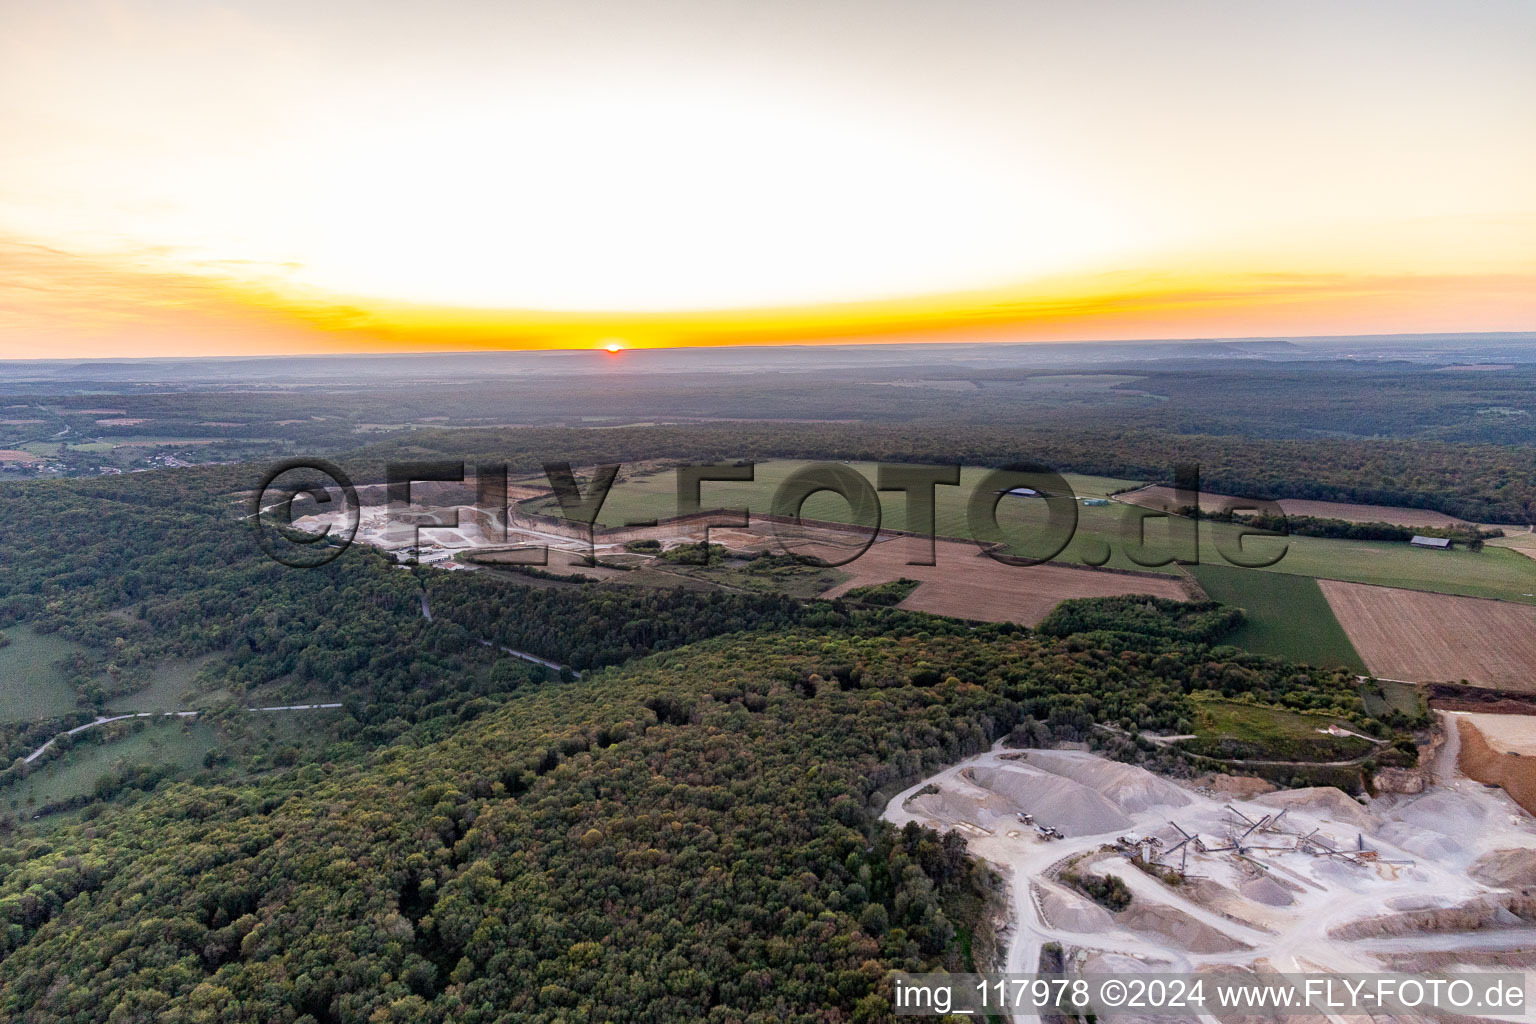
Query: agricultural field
x=1421, y=637
x=31, y=684
x=1501, y=570
x=762, y=576
x=1522, y=541
x=1101, y=530
x=967, y=584
x=1162, y=497
x=653, y=495
x=1494, y=572
x=1107, y=534
x=1288, y=617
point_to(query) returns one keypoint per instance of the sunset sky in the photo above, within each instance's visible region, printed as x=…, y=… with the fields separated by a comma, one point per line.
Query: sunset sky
x=208, y=178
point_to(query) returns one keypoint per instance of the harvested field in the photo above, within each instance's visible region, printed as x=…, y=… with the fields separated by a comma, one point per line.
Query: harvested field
x=1423, y=637
x=967, y=584
x=1160, y=497
x=1523, y=542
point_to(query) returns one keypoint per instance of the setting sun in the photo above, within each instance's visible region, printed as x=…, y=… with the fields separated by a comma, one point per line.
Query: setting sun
x=613, y=346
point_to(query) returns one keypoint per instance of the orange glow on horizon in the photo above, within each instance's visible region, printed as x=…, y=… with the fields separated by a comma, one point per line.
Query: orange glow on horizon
x=243, y=178
x=56, y=304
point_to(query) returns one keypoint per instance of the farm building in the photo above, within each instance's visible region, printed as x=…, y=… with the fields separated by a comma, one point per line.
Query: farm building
x=1442, y=543
x=1095, y=501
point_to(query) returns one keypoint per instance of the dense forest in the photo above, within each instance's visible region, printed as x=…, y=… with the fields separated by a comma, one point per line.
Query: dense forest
x=1183, y=392
x=1482, y=483
x=1381, y=432
x=687, y=832
x=690, y=836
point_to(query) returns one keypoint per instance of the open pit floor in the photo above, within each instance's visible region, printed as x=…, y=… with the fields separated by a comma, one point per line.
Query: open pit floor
x=1427, y=881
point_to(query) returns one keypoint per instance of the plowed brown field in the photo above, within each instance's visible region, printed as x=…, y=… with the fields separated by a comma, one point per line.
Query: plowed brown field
x=1422, y=637
x=968, y=584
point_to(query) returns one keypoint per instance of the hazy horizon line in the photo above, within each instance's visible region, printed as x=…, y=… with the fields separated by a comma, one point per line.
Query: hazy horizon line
x=843, y=342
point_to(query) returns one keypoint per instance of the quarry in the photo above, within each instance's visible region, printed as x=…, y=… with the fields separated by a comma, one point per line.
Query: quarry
x=1302, y=880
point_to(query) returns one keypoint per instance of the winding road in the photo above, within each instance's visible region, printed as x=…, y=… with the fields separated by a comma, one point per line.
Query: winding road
x=104, y=719
x=426, y=613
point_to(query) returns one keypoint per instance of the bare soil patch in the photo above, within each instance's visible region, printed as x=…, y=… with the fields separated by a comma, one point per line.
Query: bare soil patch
x=967, y=584
x=1421, y=637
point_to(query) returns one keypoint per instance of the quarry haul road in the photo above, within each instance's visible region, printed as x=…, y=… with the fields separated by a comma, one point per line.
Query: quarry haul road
x=1167, y=927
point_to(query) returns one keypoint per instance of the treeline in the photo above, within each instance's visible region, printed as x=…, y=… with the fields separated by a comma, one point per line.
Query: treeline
x=1471, y=535
x=1479, y=482
x=887, y=594
x=1126, y=618
x=591, y=627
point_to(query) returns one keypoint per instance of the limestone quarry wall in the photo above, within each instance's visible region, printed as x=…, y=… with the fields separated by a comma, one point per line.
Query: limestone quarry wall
x=1482, y=761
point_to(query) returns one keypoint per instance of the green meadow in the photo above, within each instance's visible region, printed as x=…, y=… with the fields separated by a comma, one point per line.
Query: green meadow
x=1492, y=572
x=1385, y=695
x=1288, y=616
x=170, y=689
x=176, y=741
x=31, y=684
x=1229, y=729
